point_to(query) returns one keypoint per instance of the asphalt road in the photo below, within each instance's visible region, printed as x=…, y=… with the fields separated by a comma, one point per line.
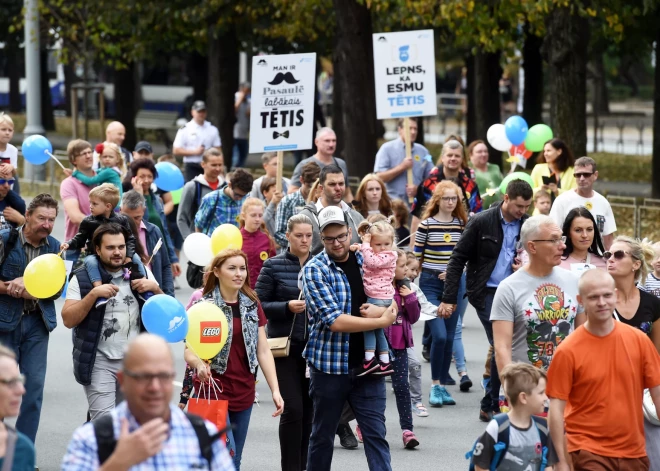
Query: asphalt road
x=445, y=436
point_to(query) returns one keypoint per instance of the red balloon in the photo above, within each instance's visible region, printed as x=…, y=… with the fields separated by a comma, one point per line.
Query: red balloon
x=520, y=150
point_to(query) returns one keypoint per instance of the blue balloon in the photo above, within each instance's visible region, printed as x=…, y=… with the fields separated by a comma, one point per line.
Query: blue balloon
x=170, y=177
x=165, y=316
x=34, y=149
x=516, y=130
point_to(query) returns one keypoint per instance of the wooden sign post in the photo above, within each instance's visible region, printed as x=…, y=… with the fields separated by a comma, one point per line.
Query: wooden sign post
x=406, y=131
x=280, y=168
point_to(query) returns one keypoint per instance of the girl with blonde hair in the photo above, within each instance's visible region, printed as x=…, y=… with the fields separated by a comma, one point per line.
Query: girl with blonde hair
x=258, y=244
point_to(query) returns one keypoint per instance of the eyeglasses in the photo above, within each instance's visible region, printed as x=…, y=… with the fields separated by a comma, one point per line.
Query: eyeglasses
x=238, y=196
x=582, y=175
x=449, y=199
x=618, y=254
x=13, y=383
x=86, y=152
x=144, y=379
x=332, y=240
x=9, y=182
x=561, y=240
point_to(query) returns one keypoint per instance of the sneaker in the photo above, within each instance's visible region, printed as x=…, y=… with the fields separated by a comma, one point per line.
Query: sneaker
x=256, y=397
x=450, y=381
x=358, y=433
x=447, y=400
x=101, y=302
x=426, y=352
x=485, y=416
x=368, y=366
x=435, y=396
x=176, y=283
x=384, y=369
x=146, y=295
x=484, y=383
x=420, y=410
x=409, y=440
x=346, y=438
x=466, y=383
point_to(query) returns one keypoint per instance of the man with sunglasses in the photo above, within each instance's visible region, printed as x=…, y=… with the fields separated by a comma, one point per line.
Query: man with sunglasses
x=12, y=206
x=585, y=174
x=152, y=432
x=536, y=308
x=336, y=306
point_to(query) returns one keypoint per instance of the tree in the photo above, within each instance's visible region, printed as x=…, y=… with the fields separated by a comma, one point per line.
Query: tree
x=11, y=35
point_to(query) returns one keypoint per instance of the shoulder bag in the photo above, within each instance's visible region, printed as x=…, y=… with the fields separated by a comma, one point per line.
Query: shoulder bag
x=280, y=346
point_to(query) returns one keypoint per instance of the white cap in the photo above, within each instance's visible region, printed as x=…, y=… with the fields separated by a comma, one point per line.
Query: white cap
x=331, y=215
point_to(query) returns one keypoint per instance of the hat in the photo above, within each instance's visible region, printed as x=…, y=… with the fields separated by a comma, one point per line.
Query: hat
x=331, y=215
x=199, y=105
x=143, y=145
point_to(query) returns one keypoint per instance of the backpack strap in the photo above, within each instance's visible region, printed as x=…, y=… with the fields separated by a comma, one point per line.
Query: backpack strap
x=542, y=426
x=502, y=444
x=8, y=461
x=205, y=440
x=105, y=437
x=198, y=196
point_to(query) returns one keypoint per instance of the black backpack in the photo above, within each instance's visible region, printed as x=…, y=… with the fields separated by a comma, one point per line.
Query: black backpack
x=106, y=443
x=195, y=273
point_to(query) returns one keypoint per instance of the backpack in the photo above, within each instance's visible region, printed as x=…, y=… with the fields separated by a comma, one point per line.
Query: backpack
x=502, y=444
x=195, y=273
x=106, y=443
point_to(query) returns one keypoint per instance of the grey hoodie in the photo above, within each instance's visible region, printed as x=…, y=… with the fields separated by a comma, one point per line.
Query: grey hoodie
x=311, y=210
x=188, y=206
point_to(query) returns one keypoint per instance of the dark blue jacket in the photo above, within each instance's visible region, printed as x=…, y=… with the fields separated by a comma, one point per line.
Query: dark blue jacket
x=11, y=309
x=87, y=334
x=161, y=266
x=167, y=240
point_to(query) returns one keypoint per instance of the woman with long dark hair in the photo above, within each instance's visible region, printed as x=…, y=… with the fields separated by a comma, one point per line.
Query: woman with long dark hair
x=553, y=171
x=584, y=247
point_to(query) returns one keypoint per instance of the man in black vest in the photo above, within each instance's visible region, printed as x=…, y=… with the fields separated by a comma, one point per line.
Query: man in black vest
x=101, y=334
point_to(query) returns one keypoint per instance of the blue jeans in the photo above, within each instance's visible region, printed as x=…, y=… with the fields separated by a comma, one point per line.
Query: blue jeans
x=367, y=397
x=240, y=421
x=374, y=340
x=29, y=340
x=92, y=267
x=442, y=330
x=491, y=400
x=72, y=255
x=239, y=153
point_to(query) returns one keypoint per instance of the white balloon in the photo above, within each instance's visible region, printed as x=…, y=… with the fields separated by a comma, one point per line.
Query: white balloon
x=197, y=248
x=497, y=137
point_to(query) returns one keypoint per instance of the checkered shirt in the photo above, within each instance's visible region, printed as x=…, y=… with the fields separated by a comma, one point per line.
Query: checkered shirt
x=226, y=211
x=285, y=210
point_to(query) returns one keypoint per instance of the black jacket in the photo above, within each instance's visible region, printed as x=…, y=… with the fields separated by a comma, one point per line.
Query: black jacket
x=479, y=247
x=276, y=286
x=83, y=239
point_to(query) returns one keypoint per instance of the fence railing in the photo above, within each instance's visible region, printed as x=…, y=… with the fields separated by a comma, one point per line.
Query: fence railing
x=636, y=220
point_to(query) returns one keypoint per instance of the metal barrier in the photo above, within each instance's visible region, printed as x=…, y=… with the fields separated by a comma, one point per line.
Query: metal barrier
x=636, y=220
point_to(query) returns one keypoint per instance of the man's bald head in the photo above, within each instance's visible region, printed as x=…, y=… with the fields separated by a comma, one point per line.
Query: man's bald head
x=594, y=278
x=147, y=347
x=115, y=133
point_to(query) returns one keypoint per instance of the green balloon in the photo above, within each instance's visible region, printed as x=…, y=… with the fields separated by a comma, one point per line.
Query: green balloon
x=515, y=176
x=537, y=136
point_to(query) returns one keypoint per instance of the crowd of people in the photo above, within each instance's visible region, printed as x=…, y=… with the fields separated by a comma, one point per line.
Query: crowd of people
x=569, y=311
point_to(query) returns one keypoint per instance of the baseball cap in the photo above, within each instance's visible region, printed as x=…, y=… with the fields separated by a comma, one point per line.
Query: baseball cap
x=144, y=145
x=331, y=215
x=199, y=105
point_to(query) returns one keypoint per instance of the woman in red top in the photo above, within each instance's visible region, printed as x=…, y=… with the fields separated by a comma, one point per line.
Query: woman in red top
x=258, y=244
x=233, y=369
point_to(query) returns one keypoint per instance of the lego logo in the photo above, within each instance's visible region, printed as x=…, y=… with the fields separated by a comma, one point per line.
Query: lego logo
x=210, y=332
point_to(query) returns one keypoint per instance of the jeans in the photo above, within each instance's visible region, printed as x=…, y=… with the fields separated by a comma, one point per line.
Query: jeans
x=442, y=330
x=191, y=170
x=296, y=420
x=461, y=307
x=366, y=395
x=402, y=388
x=458, y=351
x=72, y=256
x=29, y=340
x=240, y=421
x=104, y=393
x=491, y=400
x=414, y=376
x=92, y=267
x=239, y=153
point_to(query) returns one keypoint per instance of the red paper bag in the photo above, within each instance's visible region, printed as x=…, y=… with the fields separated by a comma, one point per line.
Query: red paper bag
x=213, y=410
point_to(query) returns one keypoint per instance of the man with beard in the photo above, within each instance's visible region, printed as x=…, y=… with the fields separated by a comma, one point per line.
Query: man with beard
x=26, y=321
x=101, y=334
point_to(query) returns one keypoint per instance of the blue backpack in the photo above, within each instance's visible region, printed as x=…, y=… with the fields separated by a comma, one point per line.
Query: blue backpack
x=502, y=444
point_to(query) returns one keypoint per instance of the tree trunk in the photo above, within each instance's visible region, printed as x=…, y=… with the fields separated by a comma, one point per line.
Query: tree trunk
x=47, y=117
x=355, y=71
x=655, y=180
x=15, y=64
x=126, y=101
x=601, y=98
x=198, y=75
x=222, y=85
x=484, y=72
x=533, y=90
x=565, y=46
x=337, y=105
x=69, y=79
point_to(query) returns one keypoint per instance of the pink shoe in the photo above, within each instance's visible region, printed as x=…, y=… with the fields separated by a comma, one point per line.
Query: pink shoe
x=358, y=433
x=368, y=366
x=384, y=369
x=409, y=440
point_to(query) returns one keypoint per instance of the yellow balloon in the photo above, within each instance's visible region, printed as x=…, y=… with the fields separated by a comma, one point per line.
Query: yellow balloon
x=44, y=276
x=226, y=236
x=208, y=330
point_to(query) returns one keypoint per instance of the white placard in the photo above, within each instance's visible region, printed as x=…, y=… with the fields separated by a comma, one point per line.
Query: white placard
x=404, y=71
x=282, y=107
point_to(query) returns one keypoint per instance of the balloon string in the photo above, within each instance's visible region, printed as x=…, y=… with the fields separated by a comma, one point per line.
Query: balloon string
x=55, y=159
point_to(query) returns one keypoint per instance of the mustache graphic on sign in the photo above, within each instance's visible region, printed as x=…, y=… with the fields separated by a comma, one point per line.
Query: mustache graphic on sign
x=287, y=77
x=276, y=134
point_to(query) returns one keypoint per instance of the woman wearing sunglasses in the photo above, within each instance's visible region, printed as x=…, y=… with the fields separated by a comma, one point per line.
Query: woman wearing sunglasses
x=629, y=262
x=584, y=247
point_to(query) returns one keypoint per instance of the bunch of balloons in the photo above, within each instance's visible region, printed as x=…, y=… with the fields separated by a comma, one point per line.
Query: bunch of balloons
x=200, y=248
x=516, y=138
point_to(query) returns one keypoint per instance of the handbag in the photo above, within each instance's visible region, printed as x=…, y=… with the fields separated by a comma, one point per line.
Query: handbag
x=280, y=346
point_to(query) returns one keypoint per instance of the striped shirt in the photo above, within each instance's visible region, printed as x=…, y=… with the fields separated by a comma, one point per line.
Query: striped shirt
x=652, y=285
x=435, y=241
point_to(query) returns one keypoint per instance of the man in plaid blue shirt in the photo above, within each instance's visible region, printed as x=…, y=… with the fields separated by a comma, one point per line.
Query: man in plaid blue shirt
x=150, y=433
x=294, y=202
x=332, y=284
x=223, y=205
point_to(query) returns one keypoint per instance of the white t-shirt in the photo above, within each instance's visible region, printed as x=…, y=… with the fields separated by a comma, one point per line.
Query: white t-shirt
x=598, y=206
x=10, y=153
x=192, y=135
x=121, y=322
